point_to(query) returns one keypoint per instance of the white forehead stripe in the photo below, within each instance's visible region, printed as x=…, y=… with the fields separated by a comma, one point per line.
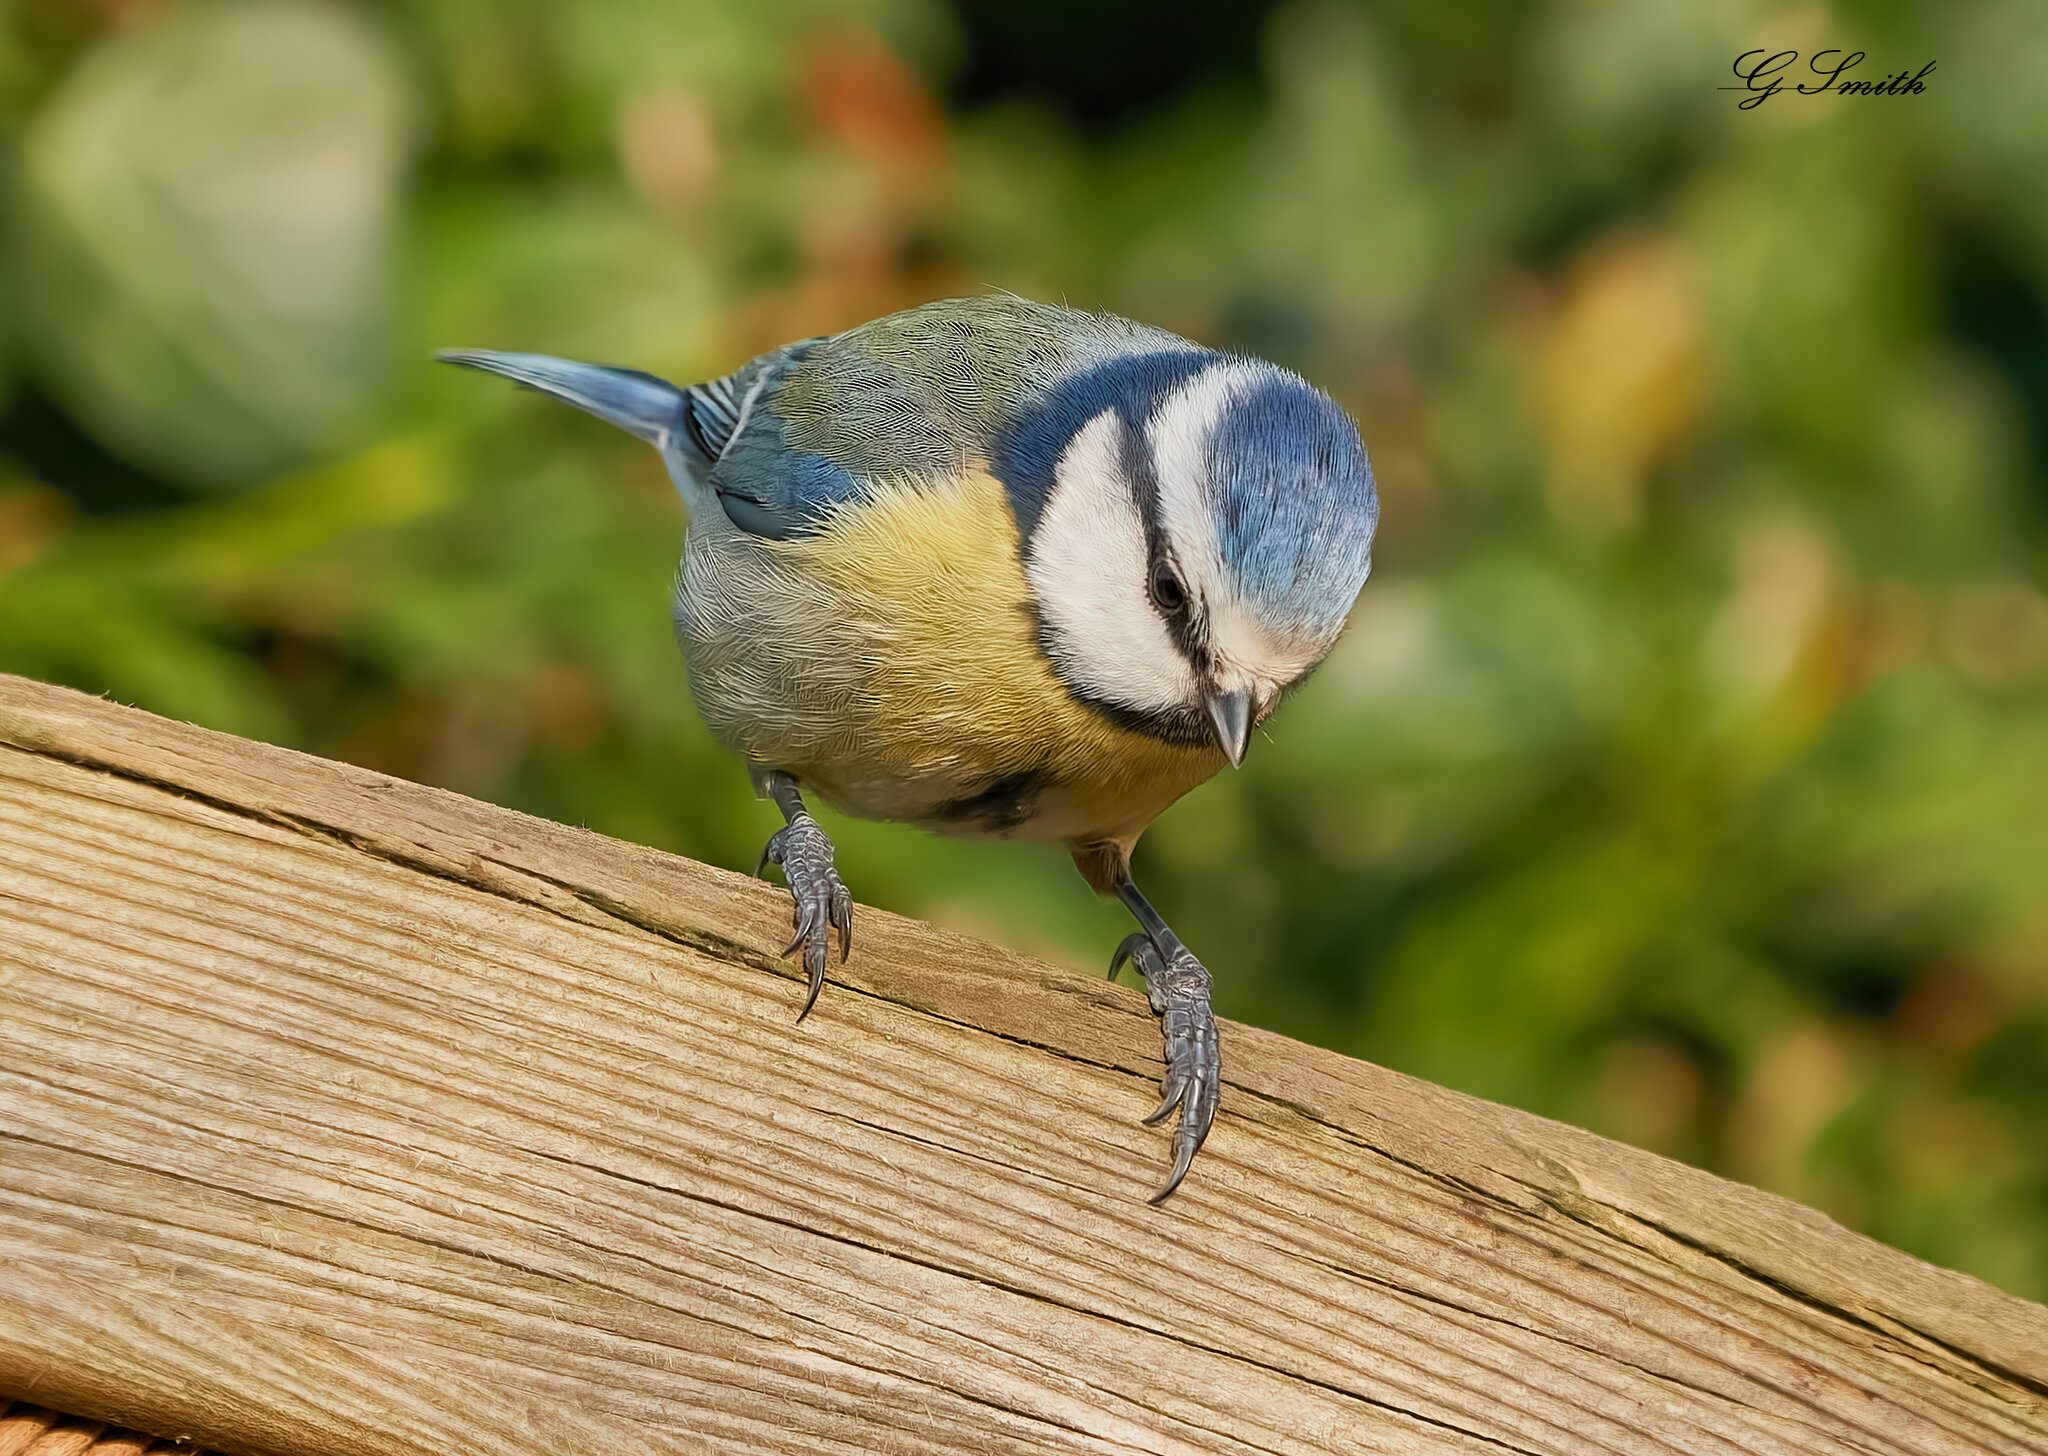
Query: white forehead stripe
x=1089, y=572
x=1180, y=433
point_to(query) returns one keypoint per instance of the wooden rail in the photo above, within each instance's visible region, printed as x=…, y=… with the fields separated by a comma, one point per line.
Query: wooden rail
x=343, y=1115
x=27, y=1430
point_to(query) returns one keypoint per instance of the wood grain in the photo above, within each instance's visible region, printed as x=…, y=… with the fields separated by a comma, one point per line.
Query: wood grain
x=343, y=1115
x=27, y=1430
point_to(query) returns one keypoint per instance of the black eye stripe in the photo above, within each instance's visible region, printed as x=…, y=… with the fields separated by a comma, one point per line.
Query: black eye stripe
x=1189, y=633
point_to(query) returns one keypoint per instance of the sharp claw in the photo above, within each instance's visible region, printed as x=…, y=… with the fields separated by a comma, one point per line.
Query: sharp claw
x=1176, y=1092
x=1184, y=1150
x=767, y=853
x=842, y=916
x=803, y=928
x=814, y=964
x=1125, y=950
x=1201, y=1114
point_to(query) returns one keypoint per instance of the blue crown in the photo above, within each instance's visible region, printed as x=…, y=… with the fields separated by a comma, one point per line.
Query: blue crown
x=1296, y=507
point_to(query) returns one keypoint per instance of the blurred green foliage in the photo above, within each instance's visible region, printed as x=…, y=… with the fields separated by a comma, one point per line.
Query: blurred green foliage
x=1685, y=772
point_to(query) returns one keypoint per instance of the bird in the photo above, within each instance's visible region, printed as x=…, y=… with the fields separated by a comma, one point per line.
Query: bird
x=994, y=567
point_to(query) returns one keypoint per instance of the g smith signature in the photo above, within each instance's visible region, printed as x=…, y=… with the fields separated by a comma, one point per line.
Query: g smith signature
x=1762, y=74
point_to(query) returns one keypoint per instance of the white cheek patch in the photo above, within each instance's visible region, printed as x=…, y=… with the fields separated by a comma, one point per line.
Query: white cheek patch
x=1088, y=570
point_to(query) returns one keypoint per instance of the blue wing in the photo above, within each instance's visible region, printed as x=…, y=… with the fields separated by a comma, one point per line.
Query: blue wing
x=784, y=441
x=809, y=427
x=725, y=434
x=765, y=483
x=913, y=396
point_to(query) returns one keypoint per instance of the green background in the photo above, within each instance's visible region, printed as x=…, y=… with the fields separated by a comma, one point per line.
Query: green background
x=1685, y=771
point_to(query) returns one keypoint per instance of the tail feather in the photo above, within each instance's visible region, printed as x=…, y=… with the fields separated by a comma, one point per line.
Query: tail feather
x=642, y=405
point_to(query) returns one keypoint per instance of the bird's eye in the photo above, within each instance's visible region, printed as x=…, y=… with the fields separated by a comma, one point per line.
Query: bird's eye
x=1167, y=590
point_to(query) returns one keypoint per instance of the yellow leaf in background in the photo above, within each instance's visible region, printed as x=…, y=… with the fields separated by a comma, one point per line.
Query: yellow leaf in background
x=1616, y=378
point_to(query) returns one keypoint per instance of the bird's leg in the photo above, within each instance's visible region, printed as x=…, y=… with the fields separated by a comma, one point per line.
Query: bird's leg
x=822, y=904
x=1178, y=986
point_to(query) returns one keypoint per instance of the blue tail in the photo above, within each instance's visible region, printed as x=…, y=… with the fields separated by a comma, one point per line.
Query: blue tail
x=640, y=404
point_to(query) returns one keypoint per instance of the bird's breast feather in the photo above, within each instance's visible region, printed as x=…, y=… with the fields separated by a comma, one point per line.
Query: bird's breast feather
x=938, y=677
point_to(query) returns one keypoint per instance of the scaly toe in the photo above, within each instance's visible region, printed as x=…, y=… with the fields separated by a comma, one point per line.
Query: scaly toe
x=1178, y=987
x=819, y=902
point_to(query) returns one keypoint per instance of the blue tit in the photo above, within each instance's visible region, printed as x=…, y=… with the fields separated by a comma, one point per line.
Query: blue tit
x=993, y=567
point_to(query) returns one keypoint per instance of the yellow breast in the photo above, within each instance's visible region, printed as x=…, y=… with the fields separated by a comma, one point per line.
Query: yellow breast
x=891, y=662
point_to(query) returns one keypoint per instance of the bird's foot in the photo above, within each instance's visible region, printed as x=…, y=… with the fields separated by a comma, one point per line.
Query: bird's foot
x=1178, y=986
x=822, y=904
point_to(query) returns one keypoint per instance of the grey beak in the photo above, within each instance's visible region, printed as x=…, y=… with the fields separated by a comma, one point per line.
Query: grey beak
x=1231, y=714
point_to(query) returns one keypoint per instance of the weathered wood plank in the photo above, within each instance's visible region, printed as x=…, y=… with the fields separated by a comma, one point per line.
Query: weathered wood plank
x=343, y=1115
x=27, y=1430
